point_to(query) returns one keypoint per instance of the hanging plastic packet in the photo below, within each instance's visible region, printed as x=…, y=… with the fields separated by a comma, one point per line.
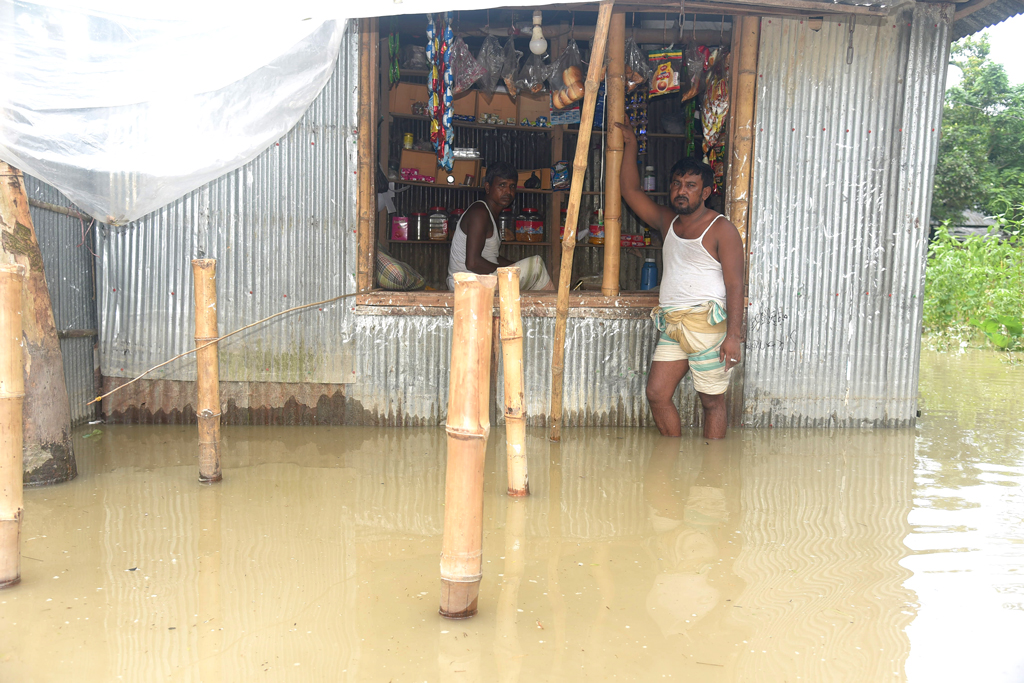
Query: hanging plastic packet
x=533, y=74
x=665, y=66
x=566, y=79
x=715, y=105
x=490, y=58
x=696, y=64
x=510, y=66
x=637, y=69
x=465, y=70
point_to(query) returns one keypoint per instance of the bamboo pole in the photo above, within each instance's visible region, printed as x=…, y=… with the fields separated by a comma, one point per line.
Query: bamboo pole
x=743, y=111
x=48, y=455
x=579, y=169
x=12, y=394
x=615, y=112
x=512, y=354
x=366, y=198
x=467, y=428
x=204, y=271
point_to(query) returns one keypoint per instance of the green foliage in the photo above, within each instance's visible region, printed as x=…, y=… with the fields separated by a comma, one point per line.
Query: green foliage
x=981, y=151
x=977, y=282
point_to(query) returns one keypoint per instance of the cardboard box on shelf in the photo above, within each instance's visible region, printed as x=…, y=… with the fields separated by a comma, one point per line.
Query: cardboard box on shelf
x=543, y=173
x=401, y=97
x=531, y=106
x=460, y=169
x=499, y=104
x=464, y=104
x=425, y=163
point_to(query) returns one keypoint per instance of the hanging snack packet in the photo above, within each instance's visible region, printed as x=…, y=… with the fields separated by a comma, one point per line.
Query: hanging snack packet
x=697, y=58
x=465, y=70
x=510, y=66
x=666, y=65
x=637, y=69
x=490, y=58
x=566, y=78
x=533, y=75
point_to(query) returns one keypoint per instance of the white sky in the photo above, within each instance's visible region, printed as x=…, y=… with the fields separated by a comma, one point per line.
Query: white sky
x=1007, y=49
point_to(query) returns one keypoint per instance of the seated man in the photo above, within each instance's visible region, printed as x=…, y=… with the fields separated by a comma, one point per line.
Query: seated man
x=476, y=239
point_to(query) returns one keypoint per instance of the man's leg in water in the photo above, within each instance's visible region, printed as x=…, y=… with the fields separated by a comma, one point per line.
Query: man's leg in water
x=661, y=385
x=714, y=415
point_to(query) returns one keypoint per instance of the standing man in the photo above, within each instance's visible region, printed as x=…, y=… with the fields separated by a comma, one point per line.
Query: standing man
x=476, y=239
x=700, y=309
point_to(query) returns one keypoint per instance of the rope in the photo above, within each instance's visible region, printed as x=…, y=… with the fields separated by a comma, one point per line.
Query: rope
x=229, y=334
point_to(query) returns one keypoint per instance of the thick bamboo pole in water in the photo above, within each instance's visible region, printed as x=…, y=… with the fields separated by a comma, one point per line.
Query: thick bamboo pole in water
x=615, y=113
x=12, y=394
x=467, y=428
x=512, y=354
x=579, y=169
x=204, y=271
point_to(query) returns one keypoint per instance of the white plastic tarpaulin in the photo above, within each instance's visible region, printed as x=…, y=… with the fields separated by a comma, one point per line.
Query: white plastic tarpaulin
x=126, y=105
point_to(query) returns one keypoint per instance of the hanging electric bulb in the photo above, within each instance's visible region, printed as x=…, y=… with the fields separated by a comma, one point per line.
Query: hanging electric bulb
x=538, y=45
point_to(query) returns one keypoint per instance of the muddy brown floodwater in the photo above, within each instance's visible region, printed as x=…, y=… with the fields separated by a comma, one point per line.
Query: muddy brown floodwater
x=771, y=556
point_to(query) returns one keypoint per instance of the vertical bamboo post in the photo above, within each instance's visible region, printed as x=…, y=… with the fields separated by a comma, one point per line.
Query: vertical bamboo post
x=467, y=428
x=745, y=73
x=512, y=354
x=12, y=394
x=579, y=169
x=204, y=271
x=366, y=198
x=615, y=112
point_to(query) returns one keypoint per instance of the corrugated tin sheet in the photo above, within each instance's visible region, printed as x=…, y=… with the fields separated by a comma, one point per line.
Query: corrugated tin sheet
x=995, y=13
x=282, y=229
x=66, y=244
x=843, y=171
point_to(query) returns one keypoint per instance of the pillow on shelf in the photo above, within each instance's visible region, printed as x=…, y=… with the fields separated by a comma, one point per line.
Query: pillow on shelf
x=396, y=276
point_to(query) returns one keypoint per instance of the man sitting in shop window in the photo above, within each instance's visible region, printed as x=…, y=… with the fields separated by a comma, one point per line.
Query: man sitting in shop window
x=476, y=239
x=700, y=311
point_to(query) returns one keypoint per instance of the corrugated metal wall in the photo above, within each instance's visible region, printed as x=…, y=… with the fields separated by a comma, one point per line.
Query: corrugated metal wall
x=68, y=264
x=843, y=171
x=282, y=229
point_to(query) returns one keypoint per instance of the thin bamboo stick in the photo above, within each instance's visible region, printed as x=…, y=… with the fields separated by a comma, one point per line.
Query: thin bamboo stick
x=743, y=112
x=512, y=354
x=579, y=169
x=615, y=87
x=12, y=394
x=204, y=271
x=461, y=546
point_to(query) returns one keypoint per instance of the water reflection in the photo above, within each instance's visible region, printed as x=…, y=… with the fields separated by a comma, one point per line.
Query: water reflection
x=773, y=555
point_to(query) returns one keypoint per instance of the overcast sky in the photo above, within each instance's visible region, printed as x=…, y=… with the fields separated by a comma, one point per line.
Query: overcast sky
x=1007, y=49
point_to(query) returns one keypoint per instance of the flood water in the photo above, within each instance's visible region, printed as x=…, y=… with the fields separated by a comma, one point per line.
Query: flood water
x=771, y=556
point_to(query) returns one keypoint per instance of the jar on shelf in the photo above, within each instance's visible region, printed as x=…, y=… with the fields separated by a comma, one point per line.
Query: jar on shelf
x=650, y=183
x=507, y=225
x=529, y=226
x=418, y=227
x=438, y=224
x=561, y=223
x=453, y=222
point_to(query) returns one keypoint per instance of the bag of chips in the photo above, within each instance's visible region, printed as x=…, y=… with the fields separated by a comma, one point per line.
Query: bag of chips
x=510, y=66
x=637, y=69
x=665, y=67
x=567, y=77
x=490, y=58
x=465, y=70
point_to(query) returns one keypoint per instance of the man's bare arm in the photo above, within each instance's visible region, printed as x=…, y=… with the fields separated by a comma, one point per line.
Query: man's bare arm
x=730, y=255
x=653, y=214
x=477, y=224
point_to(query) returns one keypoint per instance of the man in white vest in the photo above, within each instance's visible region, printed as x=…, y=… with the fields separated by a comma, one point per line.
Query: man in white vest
x=700, y=301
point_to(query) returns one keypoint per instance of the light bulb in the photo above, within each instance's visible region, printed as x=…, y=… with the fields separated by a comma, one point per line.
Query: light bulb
x=538, y=45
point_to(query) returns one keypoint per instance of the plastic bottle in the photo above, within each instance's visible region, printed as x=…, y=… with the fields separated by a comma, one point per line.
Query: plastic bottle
x=649, y=183
x=597, y=227
x=647, y=236
x=649, y=274
x=529, y=226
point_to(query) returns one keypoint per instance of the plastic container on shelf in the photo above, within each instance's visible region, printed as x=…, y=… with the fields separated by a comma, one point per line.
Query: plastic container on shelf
x=438, y=224
x=507, y=225
x=418, y=227
x=597, y=227
x=529, y=226
x=649, y=183
x=649, y=274
x=453, y=221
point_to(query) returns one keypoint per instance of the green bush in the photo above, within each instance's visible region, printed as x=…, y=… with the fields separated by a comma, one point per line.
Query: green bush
x=975, y=283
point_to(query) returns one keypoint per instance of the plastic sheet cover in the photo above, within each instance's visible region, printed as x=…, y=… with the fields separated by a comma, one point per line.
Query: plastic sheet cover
x=127, y=106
